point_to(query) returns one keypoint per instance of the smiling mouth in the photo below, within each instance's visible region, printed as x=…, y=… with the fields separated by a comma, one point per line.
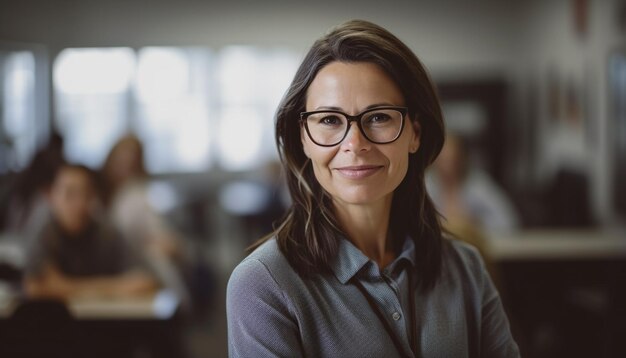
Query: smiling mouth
x=359, y=172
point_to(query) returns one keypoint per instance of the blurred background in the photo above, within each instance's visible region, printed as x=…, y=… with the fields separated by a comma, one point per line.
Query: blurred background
x=533, y=93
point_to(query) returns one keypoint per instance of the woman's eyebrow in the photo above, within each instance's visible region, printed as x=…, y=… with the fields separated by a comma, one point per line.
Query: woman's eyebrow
x=383, y=104
x=334, y=108
x=331, y=108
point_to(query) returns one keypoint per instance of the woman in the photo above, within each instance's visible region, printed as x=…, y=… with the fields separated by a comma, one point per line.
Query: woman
x=126, y=199
x=467, y=195
x=130, y=210
x=359, y=267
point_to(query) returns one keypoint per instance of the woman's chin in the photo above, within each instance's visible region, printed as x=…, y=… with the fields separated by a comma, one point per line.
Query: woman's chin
x=359, y=197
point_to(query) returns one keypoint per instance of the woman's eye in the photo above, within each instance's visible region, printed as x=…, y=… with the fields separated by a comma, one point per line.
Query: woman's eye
x=330, y=120
x=377, y=118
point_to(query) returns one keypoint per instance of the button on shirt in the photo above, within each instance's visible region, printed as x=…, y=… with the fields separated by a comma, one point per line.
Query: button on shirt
x=389, y=288
x=274, y=312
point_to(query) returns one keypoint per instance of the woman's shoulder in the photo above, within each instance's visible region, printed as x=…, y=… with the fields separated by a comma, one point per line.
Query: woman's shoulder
x=265, y=264
x=462, y=257
x=267, y=252
x=268, y=255
x=457, y=246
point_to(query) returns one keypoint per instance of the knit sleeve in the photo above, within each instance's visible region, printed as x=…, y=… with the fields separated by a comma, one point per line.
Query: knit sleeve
x=489, y=328
x=261, y=320
x=496, y=338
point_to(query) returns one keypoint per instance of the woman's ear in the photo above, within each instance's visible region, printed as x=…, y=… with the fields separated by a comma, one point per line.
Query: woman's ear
x=415, y=139
x=304, y=144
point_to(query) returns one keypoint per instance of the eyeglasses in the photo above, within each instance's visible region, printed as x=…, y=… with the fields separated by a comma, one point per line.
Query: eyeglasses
x=380, y=125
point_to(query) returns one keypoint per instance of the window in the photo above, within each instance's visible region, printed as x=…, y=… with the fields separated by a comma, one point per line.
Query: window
x=174, y=119
x=193, y=108
x=18, y=127
x=251, y=81
x=91, y=92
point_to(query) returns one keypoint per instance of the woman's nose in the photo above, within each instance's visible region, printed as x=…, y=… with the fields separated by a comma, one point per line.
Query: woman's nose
x=354, y=140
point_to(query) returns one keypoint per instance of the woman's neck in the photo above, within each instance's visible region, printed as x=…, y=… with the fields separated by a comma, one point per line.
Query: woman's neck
x=367, y=227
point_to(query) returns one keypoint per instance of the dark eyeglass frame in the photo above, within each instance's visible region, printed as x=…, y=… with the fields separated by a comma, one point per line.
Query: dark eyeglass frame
x=356, y=118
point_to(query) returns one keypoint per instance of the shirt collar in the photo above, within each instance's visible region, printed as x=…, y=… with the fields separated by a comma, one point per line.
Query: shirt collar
x=407, y=253
x=404, y=259
x=350, y=260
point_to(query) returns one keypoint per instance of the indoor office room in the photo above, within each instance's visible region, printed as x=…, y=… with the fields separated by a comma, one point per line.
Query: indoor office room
x=146, y=130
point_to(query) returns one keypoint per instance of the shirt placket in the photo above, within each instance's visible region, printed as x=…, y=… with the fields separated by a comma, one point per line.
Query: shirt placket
x=385, y=291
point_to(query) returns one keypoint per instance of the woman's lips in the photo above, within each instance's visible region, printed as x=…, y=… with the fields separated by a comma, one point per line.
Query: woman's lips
x=359, y=171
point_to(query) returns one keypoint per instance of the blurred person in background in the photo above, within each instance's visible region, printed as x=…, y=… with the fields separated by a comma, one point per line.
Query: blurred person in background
x=360, y=266
x=125, y=186
x=566, y=166
x=23, y=206
x=473, y=206
x=126, y=199
x=467, y=197
x=77, y=253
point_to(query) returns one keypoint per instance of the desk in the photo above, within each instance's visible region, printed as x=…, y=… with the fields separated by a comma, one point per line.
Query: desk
x=160, y=306
x=564, y=291
x=148, y=326
x=556, y=245
x=95, y=328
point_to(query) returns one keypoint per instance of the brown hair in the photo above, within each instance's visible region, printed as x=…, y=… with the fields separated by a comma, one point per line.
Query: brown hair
x=111, y=181
x=309, y=234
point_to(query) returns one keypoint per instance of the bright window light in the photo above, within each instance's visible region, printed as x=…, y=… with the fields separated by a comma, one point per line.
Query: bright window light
x=177, y=136
x=92, y=100
x=173, y=115
x=189, y=107
x=91, y=71
x=194, y=141
x=18, y=92
x=239, y=73
x=162, y=73
x=251, y=81
x=239, y=138
x=17, y=76
x=279, y=68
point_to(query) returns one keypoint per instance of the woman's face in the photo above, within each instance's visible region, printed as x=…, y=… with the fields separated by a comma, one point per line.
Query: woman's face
x=72, y=199
x=357, y=171
x=126, y=161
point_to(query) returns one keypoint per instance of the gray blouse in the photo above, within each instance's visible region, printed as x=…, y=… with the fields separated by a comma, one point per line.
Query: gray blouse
x=273, y=312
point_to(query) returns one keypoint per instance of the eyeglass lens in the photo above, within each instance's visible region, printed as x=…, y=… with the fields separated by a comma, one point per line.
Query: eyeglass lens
x=378, y=126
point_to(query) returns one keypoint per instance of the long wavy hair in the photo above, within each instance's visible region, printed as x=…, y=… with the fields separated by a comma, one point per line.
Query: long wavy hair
x=309, y=233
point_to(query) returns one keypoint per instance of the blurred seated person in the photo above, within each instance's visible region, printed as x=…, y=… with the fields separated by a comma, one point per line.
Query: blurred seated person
x=466, y=196
x=128, y=206
x=23, y=206
x=76, y=254
x=128, y=203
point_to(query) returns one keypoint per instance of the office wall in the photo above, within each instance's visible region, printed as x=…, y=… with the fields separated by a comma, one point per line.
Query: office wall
x=447, y=35
x=515, y=40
